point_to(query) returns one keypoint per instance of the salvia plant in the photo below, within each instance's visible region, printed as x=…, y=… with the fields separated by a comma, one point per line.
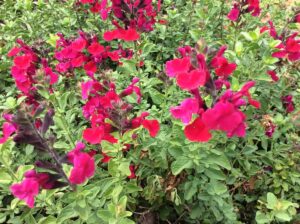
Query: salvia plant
x=141, y=111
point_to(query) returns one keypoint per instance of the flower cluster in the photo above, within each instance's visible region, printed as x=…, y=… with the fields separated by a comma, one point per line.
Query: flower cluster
x=103, y=103
x=85, y=52
x=248, y=6
x=191, y=72
x=29, y=69
x=29, y=188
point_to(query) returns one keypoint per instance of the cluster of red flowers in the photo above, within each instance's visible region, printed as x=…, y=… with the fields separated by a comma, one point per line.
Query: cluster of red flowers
x=191, y=72
x=29, y=69
x=248, y=6
x=136, y=16
x=104, y=103
x=87, y=53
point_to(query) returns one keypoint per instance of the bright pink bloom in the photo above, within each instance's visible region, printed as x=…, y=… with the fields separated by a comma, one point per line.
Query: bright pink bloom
x=87, y=1
x=297, y=18
x=191, y=80
x=152, y=126
x=23, y=62
x=84, y=168
x=78, y=61
x=93, y=135
x=79, y=44
x=225, y=117
x=26, y=191
x=14, y=51
x=234, y=13
x=8, y=129
x=187, y=108
x=177, y=66
x=197, y=131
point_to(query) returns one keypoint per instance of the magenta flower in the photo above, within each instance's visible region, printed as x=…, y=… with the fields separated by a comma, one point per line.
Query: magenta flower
x=84, y=168
x=126, y=35
x=234, y=13
x=225, y=117
x=184, y=112
x=26, y=191
x=7, y=130
x=177, y=66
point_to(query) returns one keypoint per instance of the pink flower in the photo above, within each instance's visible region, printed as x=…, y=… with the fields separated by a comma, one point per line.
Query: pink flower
x=177, y=66
x=8, y=129
x=184, y=112
x=93, y=135
x=26, y=191
x=234, y=13
x=83, y=164
x=191, y=80
x=79, y=44
x=197, y=131
x=225, y=117
x=84, y=168
x=13, y=52
x=23, y=62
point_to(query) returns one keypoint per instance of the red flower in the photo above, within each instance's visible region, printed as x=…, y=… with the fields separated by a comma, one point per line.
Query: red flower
x=223, y=68
x=95, y=49
x=93, y=135
x=132, y=172
x=105, y=158
x=273, y=75
x=152, y=126
x=90, y=68
x=253, y=6
x=234, y=13
x=26, y=191
x=191, y=80
x=177, y=66
x=126, y=35
x=197, y=131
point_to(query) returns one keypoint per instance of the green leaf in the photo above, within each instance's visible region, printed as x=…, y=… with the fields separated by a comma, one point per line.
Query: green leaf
x=262, y=218
x=271, y=201
x=66, y=213
x=283, y=216
x=180, y=164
